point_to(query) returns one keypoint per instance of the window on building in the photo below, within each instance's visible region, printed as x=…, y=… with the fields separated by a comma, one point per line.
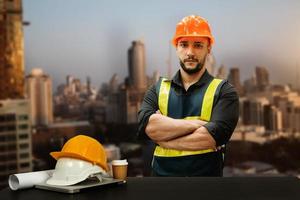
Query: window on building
x=23, y=146
x=7, y=138
x=3, y=178
x=2, y=158
x=23, y=126
x=11, y=128
x=24, y=165
x=7, y=157
x=24, y=155
x=7, y=117
x=12, y=166
x=10, y=117
x=3, y=167
x=23, y=136
x=10, y=138
x=10, y=147
x=2, y=118
x=23, y=117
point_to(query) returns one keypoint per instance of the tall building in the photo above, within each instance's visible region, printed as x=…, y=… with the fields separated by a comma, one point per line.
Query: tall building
x=262, y=77
x=130, y=104
x=15, y=138
x=272, y=118
x=11, y=49
x=39, y=90
x=234, y=79
x=289, y=105
x=252, y=111
x=124, y=100
x=221, y=73
x=250, y=85
x=137, y=65
x=70, y=85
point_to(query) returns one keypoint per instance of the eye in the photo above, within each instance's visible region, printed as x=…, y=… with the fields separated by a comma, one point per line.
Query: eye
x=198, y=45
x=183, y=45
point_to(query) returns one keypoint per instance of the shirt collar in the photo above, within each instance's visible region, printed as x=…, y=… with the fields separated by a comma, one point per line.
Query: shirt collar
x=204, y=79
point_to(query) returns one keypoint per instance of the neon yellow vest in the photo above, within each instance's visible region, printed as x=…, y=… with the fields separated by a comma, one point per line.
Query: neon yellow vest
x=206, y=110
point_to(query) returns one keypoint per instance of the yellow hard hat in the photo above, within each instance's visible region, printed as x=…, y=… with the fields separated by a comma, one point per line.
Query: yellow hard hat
x=192, y=26
x=84, y=148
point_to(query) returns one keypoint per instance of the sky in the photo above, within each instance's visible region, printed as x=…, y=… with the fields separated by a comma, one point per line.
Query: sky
x=91, y=37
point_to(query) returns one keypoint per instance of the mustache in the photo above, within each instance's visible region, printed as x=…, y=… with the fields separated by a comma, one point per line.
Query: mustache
x=191, y=60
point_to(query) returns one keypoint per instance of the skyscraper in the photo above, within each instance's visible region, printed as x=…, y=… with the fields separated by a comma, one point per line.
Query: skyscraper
x=15, y=138
x=137, y=65
x=262, y=77
x=39, y=90
x=15, y=124
x=11, y=50
x=234, y=79
x=221, y=73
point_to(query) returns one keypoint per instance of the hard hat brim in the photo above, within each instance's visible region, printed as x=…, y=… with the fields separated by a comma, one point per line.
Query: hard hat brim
x=70, y=171
x=211, y=39
x=58, y=154
x=53, y=181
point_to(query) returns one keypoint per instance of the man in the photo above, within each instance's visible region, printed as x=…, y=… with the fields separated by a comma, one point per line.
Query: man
x=191, y=117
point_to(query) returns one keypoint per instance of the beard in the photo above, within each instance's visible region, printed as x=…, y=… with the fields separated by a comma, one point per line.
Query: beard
x=194, y=70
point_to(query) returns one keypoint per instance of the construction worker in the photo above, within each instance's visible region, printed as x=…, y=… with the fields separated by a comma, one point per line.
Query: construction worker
x=192, y=116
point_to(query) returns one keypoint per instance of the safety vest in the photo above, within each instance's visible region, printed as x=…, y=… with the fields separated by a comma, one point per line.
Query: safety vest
x=205, y=115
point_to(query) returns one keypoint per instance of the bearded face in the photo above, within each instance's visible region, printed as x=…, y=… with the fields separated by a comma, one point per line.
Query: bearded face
x=192, y=52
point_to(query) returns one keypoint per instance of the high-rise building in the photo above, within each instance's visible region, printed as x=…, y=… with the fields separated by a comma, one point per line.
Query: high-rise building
x=289, y=105
x=125, y=99
x=252, y=111
x=250, y=85
x=11, y=50
x=15, y=138
x=234, y=79
x=272, y=118
x=262, y=77
x=137, y=65
x=39, y=90
x=221, y=73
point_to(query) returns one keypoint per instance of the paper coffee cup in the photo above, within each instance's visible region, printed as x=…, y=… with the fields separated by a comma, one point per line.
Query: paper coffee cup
x=119, y=169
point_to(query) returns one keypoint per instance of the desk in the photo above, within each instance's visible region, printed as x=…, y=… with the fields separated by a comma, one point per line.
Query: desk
x=174, y=188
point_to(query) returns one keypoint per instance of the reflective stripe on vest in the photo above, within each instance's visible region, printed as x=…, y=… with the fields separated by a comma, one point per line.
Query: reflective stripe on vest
x=163, y=99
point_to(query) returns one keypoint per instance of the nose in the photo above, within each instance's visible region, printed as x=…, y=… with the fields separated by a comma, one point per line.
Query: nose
x=190, y=52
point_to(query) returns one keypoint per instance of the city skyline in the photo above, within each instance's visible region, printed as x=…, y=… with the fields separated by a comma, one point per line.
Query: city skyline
x=37, y=121
x=92, y=39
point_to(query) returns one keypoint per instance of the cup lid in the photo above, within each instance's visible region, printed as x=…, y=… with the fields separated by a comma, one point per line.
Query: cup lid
x=119, y=162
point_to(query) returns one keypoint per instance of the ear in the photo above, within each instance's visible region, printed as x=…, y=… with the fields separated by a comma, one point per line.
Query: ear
x=209, y=48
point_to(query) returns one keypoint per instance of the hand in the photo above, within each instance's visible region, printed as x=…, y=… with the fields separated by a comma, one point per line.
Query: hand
x=158, y=112
x=163, y=144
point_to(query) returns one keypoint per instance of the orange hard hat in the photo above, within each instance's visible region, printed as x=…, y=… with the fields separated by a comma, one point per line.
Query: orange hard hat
x=84, y=148
x=192, y=26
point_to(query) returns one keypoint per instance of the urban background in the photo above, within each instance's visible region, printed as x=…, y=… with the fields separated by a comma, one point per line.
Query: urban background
x=39, y=111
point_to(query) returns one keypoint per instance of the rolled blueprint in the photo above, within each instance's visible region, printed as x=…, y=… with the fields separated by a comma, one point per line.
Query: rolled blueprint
x=28, y=180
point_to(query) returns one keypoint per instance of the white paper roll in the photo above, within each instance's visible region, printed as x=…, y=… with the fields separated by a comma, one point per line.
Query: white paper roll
x=28, y=180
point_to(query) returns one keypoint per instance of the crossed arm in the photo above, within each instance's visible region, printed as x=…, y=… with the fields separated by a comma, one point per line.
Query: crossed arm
x=179, y=134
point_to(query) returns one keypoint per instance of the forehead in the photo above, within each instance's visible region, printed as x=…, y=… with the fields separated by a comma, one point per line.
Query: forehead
x=193, y=39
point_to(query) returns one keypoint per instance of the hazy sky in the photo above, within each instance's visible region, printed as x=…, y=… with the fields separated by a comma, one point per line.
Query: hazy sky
x=91, y=37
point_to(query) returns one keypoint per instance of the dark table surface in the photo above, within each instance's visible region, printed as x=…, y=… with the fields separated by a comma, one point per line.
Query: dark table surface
x=177, y=188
